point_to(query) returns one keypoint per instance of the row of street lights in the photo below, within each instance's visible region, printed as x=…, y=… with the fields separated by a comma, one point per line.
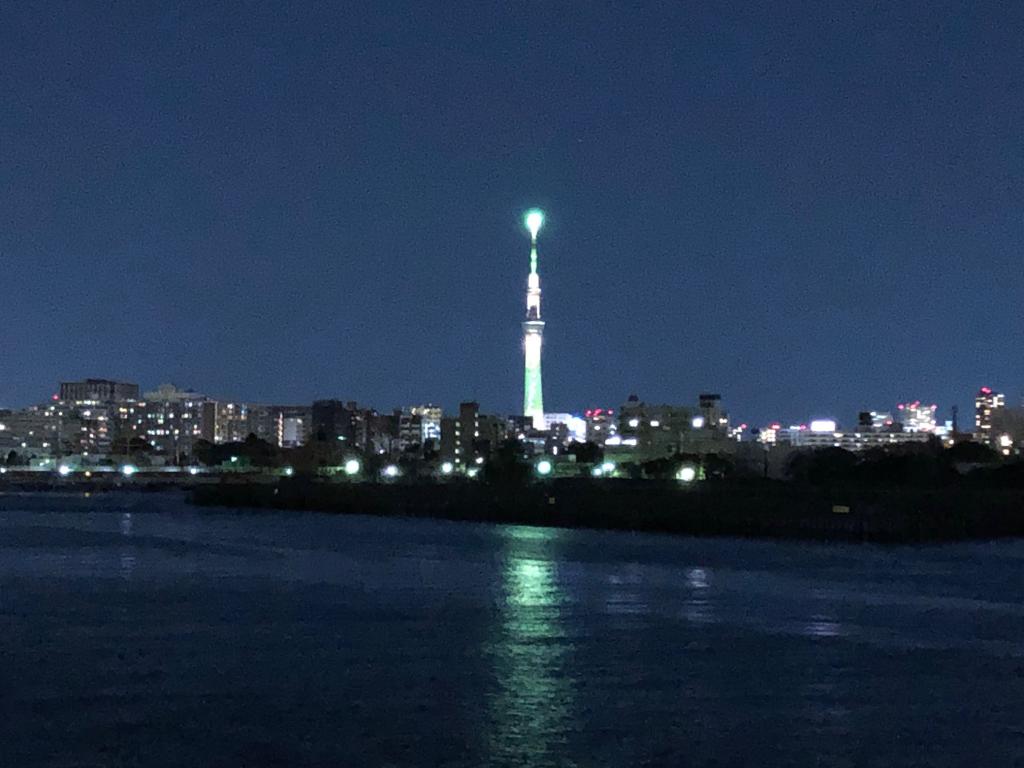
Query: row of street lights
x=352, y=467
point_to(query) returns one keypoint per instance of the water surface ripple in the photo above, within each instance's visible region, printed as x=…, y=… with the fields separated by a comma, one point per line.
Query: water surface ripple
x=135, y=630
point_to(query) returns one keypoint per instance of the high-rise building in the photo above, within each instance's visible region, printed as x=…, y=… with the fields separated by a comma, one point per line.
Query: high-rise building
x=711, y=412
x=655, y=430
x=232, y=424
x=533, y=332
x=430, y=421
x=601, y=424
x=171, y=420
x=987, y=407
x=419, y=428
x=362, y=429
x=410, y=432
x=493, y=432
x=467, y=432
x=331, y=421
x=450, y=432
x=661, y=430
x=769, y=435
x=852, y=441
x=877, y=421
x=467, y=439
x=40, y=431
x=98, y=391
x=292, y=424
x=417, y=425
x=917, y=417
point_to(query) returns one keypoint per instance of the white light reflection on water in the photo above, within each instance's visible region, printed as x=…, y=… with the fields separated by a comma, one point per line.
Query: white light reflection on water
x=531, y=710
x=127, y=553
x=698, y=607
x=823, y=626
x=626, y=590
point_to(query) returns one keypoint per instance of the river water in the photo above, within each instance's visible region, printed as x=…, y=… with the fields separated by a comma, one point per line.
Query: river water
x=135, y=630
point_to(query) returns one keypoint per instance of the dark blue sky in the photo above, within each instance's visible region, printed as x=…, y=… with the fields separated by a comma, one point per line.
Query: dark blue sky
x=809, y=207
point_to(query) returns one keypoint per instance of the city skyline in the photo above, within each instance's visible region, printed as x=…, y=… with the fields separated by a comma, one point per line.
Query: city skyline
x=805, y=209
x=912, y=415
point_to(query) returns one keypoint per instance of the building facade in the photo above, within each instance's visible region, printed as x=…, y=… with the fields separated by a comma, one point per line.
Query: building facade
x=601, y=424
x=917, y=417
x=987, y=410
x=852, y=441
x=98, y=391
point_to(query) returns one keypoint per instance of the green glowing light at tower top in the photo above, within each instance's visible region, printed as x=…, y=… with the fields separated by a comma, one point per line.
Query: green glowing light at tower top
x=534, y=221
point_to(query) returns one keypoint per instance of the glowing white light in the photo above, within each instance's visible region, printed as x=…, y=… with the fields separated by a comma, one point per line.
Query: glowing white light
x=390, y=471
x=655, y=423
x=288, y=471
x=64, y=470
x=596, y=472
x=698, y=422
x=472, y=472
x=608, y=467
x=479, y=459
x=1005, y=441
x=534, y=221
x=687, y=474
x=128, y=470
x=352, y=467
x=532, y=344
x=634, y=422
x=447, y=468
x=823, y=425
x=544, y=467
x=3, y=470
x=193, y=471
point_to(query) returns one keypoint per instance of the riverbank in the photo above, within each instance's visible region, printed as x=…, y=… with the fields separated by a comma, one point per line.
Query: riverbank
x=756, y=509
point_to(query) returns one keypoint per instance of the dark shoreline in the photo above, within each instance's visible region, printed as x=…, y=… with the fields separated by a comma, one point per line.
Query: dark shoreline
x=748, y=509
x=755, y=509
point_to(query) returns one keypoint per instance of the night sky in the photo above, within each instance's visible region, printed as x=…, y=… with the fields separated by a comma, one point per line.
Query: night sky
x=811, y=208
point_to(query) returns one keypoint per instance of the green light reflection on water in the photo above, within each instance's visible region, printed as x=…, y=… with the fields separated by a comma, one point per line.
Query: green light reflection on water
x=531, y=709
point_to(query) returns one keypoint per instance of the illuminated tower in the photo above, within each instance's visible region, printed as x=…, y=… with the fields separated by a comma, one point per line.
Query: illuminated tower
x=533, y=331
